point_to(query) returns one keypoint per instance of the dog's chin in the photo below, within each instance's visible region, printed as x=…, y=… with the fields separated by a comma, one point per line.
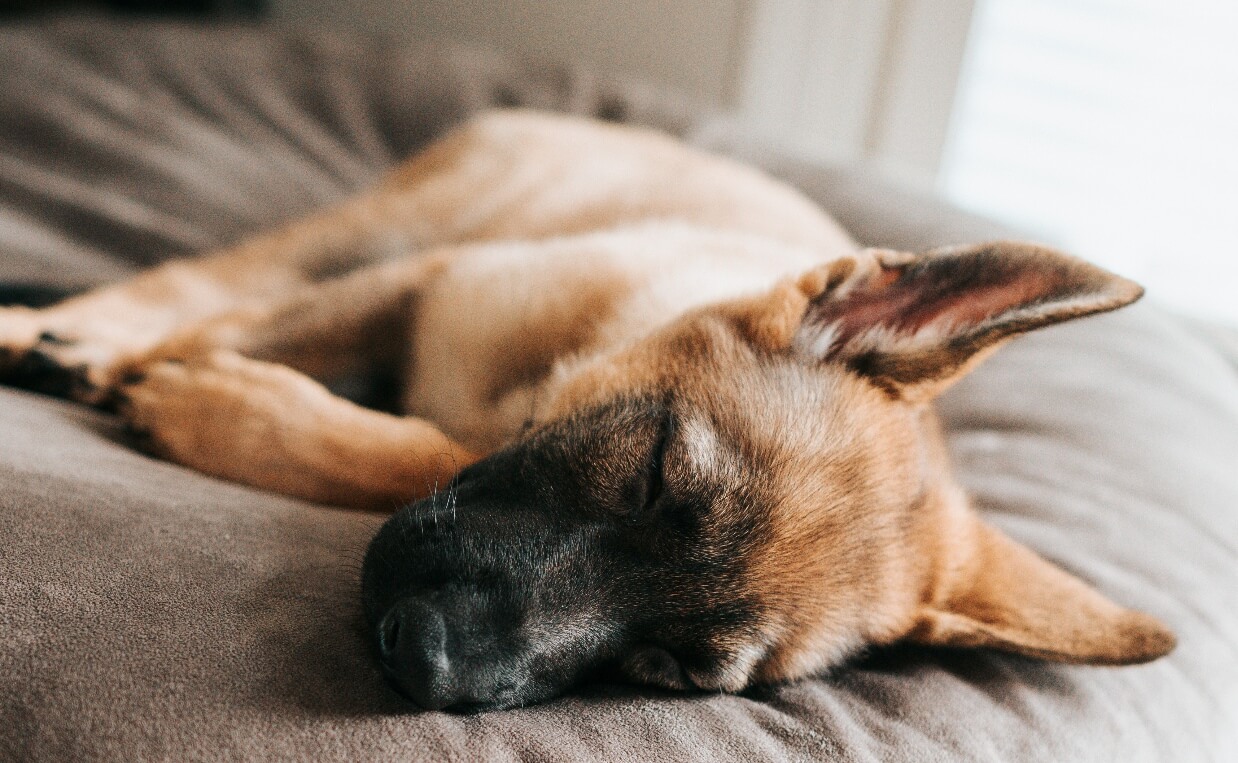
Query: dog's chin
x=510, y=701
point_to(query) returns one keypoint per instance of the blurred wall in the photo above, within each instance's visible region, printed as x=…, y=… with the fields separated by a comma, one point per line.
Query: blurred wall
x=692, y=45
x=849, y=80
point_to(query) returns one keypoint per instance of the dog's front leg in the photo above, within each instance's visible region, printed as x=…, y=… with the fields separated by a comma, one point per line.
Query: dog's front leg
x=75, y=348
x=356, y=323
x=268, y=426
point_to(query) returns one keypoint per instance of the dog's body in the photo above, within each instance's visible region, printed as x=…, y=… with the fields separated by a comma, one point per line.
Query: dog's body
x=675, y=374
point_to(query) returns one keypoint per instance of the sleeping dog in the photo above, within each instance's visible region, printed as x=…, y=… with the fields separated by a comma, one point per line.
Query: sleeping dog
x=660, y=417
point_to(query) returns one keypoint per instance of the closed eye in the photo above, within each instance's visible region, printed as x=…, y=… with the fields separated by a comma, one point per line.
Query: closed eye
x=655, y=483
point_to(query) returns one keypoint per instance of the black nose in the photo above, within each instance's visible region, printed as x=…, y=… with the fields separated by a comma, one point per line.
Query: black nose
x=413, y=644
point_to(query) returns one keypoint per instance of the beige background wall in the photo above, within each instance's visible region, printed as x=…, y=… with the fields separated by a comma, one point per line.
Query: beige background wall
x=693, y=45
x=852, y=80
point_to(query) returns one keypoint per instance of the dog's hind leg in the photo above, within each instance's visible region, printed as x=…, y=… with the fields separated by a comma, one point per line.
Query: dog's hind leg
x=266, y=425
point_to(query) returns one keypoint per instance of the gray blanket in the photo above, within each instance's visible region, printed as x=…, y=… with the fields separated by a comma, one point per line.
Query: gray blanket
x=148, y=612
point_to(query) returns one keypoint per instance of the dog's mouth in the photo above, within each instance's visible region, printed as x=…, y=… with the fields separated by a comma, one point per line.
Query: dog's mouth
x=425, y=699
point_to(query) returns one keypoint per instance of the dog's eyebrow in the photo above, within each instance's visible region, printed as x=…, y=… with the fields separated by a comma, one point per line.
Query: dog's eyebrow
x=701, y=443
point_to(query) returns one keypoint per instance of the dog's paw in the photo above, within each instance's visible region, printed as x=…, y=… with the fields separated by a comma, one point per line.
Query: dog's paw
x=19, y=331
x=37, y=354
x=221, y=413
x=34, y=356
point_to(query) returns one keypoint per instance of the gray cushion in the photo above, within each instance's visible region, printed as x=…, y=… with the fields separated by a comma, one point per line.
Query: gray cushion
x=149, y=612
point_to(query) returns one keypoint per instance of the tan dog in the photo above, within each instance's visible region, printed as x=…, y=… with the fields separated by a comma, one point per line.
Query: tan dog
x=705, y=452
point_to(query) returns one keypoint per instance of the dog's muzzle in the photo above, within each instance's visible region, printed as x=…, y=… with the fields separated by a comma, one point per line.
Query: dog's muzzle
x=488, y=595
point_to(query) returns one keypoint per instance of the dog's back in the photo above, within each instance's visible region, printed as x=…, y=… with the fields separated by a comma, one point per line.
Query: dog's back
x=518, y=175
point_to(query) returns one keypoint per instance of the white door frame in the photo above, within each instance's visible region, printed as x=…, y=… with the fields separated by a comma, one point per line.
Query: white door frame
x=855, y=80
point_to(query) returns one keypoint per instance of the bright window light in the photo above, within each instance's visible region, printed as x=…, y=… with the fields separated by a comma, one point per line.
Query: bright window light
x=1109, y=127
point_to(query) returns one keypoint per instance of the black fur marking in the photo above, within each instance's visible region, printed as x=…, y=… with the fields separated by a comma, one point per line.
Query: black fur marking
x=139, y=438
x=48, y=337
x=33, y=295
x=41, y=372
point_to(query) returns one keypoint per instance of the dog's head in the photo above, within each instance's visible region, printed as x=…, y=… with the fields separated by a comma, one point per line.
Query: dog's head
x=750, y=495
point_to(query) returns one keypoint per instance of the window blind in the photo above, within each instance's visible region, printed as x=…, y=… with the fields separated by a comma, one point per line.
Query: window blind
x=1109, y=127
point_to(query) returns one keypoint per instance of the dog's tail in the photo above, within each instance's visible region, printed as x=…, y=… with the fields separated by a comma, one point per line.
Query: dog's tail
x=33, y=295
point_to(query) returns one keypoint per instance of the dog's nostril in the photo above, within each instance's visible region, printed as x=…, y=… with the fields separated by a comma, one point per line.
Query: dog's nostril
x=413, y=643
x=439, y=653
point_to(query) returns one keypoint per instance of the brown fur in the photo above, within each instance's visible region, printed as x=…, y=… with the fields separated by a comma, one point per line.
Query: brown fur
x=529, y=267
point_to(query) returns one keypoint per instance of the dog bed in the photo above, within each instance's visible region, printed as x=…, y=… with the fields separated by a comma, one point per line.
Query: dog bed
x=149, y=612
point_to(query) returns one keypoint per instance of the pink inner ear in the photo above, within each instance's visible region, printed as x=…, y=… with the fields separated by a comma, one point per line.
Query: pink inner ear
x=976, y=305
x=908, y=305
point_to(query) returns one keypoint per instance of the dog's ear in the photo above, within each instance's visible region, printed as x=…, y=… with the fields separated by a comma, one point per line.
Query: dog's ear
x=1001, y=595
x=915, y=323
